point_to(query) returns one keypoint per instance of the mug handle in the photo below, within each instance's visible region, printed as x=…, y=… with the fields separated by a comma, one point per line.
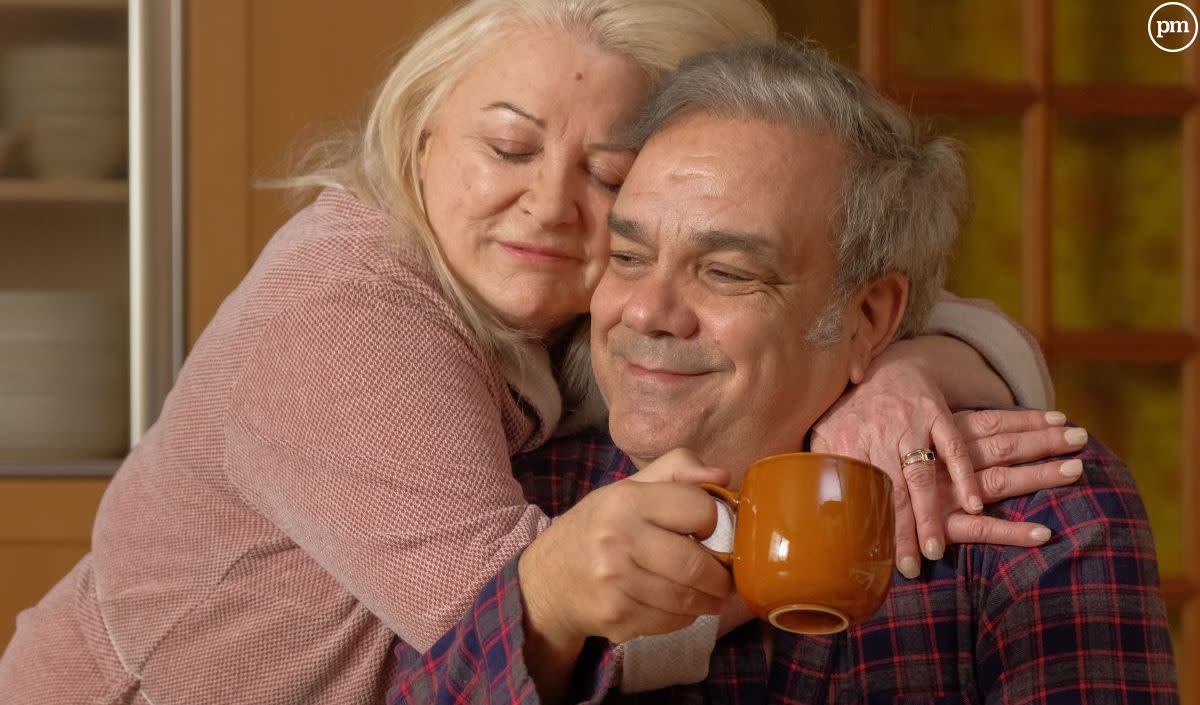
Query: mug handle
x=730, y=498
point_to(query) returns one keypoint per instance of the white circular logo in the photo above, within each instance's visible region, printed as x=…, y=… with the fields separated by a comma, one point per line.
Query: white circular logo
x=1170, y=29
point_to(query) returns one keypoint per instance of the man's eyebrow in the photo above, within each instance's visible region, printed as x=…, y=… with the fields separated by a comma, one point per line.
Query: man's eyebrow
x=505, y=105
x=628, y=229
x=750, y=243
x=758, y=246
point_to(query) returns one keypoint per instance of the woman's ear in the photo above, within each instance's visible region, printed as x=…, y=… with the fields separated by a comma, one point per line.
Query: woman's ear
x=422, y=154
x=878, y=313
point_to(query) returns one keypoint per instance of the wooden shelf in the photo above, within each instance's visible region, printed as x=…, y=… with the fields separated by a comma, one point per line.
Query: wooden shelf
x=951, y=97
x=48, y=191
x=91, y=5
x=1014, y=98
x=1124, y=100
x=1145, y=346
x=104, y=467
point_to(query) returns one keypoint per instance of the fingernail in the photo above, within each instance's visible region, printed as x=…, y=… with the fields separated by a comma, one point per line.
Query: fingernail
x=934, y=550
x=1056, y=418
x=975, y=504
x=909, y=567
x=1071, y=468
x=1076, y=436
x=1040, y=534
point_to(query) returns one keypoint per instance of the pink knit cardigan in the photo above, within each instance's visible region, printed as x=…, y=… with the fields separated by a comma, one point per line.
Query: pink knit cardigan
x=263, y=543
x=331, y=470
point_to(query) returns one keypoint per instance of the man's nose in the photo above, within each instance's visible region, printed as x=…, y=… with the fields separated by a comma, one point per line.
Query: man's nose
x=659, y=305
x=553, y=197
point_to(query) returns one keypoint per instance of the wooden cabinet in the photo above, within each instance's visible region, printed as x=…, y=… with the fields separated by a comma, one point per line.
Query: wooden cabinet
x=64, y=258
x=45, y=528
x=64, y=225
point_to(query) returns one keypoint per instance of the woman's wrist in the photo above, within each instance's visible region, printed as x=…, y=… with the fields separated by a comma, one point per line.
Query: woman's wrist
x=959, y=371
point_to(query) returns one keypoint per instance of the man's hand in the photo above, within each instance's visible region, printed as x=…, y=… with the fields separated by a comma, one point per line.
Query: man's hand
x=621, y=563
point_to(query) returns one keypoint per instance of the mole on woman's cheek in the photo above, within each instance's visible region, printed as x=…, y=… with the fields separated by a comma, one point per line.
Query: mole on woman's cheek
x=578, y=76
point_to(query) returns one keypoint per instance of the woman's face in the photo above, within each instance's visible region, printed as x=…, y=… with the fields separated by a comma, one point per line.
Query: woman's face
x=518, y=172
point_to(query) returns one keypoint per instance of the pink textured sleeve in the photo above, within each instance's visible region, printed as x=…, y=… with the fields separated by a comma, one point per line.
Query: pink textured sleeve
x=1010, y=349
x=367, y=429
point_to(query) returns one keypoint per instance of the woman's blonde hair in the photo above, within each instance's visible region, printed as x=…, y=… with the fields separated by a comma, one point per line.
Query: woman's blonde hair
x=379, y=163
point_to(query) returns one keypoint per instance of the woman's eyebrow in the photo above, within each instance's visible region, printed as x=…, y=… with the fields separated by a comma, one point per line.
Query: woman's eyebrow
x=504, y=105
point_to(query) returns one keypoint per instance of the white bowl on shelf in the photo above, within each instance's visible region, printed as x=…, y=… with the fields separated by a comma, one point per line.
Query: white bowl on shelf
x=67, y=56
x=62, y=80
x=63, y=380
x=70, y=66
x=22, y=105
x=77, y=147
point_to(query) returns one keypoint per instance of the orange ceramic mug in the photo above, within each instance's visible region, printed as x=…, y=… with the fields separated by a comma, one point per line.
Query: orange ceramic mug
x=813, y=540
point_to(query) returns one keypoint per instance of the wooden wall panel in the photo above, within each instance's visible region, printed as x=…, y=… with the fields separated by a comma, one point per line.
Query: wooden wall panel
x=266, y=79
x=217, y=156
x=314, y=67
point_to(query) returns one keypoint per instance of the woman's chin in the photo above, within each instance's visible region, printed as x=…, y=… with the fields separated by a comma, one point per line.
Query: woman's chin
x=539, y=320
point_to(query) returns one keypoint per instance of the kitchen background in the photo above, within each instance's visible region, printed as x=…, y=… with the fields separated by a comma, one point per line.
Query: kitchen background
x=131, y=132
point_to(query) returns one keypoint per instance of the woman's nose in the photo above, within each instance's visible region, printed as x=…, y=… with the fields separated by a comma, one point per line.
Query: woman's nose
x=553, y=197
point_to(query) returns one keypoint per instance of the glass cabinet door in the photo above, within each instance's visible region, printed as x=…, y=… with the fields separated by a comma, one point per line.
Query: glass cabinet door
x=87, y=271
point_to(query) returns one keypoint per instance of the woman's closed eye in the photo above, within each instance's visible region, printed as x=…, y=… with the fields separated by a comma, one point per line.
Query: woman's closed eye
x=607, y=183
x=513, y=151
x=609, y=169
x=606, y=175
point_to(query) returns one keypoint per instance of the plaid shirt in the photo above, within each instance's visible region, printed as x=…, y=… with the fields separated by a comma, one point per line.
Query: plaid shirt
x=1078, y=620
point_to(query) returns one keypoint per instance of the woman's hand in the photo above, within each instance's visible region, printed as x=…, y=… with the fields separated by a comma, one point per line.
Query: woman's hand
x=899, y=407
x=995, y=440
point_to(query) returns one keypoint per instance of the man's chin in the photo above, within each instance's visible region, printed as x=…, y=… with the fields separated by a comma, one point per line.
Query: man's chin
x=645, y=438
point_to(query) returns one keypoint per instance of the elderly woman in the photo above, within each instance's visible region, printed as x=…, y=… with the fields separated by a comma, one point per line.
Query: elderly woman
x=332, y=468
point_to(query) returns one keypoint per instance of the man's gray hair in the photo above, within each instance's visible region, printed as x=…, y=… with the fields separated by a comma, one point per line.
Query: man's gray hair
x=904, y=197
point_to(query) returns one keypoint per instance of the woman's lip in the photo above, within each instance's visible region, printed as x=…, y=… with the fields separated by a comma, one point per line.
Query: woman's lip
x=526, y=250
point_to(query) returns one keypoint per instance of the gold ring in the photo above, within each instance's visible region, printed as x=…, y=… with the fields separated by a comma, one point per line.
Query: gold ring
x=918, y=456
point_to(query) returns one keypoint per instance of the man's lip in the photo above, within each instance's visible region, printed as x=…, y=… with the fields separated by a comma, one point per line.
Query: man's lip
x=659, y=373
x=527, y=249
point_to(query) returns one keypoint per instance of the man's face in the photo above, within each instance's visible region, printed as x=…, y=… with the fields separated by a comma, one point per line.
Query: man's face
x=721, y=261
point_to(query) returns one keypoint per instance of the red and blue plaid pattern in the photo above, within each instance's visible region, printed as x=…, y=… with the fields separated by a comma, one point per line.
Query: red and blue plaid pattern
x=1078, y=620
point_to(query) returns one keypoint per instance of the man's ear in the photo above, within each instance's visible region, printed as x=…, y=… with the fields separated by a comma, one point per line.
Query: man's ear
x=880, y=307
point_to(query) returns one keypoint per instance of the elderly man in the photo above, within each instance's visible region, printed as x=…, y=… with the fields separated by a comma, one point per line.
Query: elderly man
x=782, y=224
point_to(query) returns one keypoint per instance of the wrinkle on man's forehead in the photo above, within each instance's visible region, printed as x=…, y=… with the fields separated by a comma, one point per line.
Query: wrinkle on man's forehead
x=687, y=191
x=706, y=174
x=695, y=207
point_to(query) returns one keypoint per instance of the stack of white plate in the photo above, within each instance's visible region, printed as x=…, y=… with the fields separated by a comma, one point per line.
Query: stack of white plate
x=63, y=388
x=7, y=140
x=70, y=102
